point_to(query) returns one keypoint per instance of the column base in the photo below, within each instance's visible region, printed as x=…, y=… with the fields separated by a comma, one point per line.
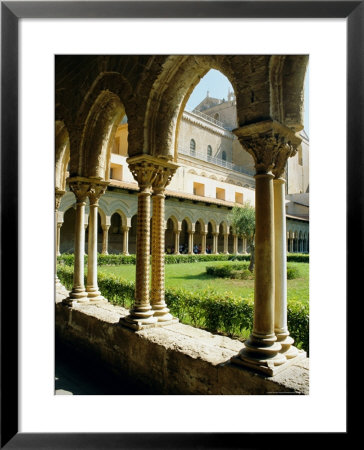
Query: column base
x=138, y=324
x=94, y=295
x=139, y=318
x=286, y=341
x=268, y=367
x=262, y=353
x=75, y=297
x=163, y=315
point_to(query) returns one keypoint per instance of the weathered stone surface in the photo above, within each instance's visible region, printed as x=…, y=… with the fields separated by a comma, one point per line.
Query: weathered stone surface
x=175, y=359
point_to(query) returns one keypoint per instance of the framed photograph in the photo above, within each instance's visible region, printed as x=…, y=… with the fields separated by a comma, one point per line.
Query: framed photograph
x=31, y=34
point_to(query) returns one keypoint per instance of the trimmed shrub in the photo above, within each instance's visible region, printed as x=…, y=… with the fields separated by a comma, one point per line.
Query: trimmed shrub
x=292, y=272
x=213, y=311
x=240, y=271
x=298, y=257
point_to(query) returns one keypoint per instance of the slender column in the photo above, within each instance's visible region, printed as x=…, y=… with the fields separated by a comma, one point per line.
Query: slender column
x=94, y=194
x=203, y=242
x=235, y=244
x=78, y=292
x=291, y=244
x=58, y=237
x=190, y=242
x=105, y=239
x=165, y=173
x=176, y=242
x=215, y=236
x=244, y=246
x=226, y=243
x=141, y=314
x=58, y=197
x=126, y=240
x=270, y=143
x=280, y=251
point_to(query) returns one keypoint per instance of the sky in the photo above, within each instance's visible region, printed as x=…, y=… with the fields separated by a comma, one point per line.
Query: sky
x=218, y=86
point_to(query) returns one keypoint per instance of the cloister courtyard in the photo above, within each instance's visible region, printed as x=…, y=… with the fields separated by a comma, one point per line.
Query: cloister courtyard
x=156, y=279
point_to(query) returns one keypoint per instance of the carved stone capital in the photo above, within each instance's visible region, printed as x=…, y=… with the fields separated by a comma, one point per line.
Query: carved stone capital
x=270, y=144
x=80, y=189
x=95, y=192
x=58, y=196
x=151, y=172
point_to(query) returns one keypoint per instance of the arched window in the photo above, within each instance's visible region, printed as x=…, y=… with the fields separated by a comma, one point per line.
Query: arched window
x=209, y=152
x=216, y=116
x=223, y=156
x=192, y=147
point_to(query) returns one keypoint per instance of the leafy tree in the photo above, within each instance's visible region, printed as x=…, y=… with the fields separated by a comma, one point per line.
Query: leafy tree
x=242, y=219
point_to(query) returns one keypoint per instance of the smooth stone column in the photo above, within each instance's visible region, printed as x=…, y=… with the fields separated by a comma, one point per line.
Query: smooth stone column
x=203, y=242
x=244, y=246
x=58, y=196
x=235, y=244
x=78, y=293
x=270, y=143
x=58, y=237
x=190, y=242
x=126, y=240
x=226, y=242
x=94, y=194
x=160, y=309
x=176, y=242
x=105, y=239
x=261, y=349
x=214, y=243
x=280, y=310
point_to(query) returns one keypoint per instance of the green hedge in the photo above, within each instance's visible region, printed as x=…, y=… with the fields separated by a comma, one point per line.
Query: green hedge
x=240, y=271
x=116, y=259
x=213, y=311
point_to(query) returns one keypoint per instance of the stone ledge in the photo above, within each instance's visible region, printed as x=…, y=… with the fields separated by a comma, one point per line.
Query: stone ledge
x=175, y=359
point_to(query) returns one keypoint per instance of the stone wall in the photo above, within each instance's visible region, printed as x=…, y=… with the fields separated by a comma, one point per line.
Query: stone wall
x=175, y=359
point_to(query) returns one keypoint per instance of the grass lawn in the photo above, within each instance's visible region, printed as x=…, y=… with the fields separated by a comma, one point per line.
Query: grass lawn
x=192, y=276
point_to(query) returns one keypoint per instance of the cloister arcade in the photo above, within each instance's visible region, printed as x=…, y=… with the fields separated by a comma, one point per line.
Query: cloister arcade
x=93, y=93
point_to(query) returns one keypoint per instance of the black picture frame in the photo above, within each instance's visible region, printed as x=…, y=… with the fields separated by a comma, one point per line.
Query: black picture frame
x=11, y=12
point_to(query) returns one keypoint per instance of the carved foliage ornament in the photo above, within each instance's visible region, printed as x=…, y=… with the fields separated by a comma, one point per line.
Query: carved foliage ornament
x=163, y=178
x=80, y=190
x=144, y=174
x=95, y=193
x=58, y=197
x=270, y=151
x=149, y=174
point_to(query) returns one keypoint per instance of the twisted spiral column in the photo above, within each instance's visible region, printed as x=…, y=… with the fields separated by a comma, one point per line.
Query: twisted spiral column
x=147, y=172
x=165, y=173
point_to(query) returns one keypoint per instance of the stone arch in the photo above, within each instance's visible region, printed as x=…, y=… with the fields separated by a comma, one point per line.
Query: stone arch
x=188, y=222
x=98, y=134
x=123, y=209
x=62, y=154
x=174, y=221
x=169, y=95
x=123, y=216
